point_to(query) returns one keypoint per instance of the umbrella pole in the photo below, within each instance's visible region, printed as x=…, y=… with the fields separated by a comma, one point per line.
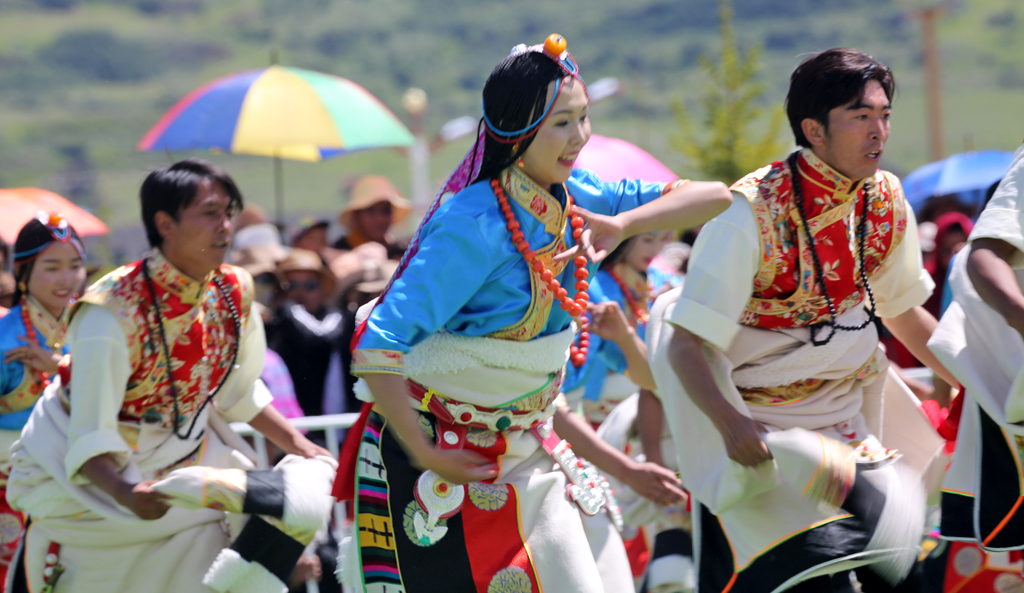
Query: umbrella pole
x=278, y=192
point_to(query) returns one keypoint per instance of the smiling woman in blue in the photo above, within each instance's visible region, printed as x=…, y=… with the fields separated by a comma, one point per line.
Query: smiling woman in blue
x=464, y=355
x=49, y=268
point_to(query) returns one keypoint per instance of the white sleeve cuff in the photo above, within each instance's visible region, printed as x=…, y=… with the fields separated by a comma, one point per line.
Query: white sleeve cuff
x=101, y=442
x=249, y=406
x=704, y=322
x=915, y=296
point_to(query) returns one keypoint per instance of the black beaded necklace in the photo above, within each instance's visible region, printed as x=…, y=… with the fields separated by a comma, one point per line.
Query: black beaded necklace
x=167, y=351
x=862, y=232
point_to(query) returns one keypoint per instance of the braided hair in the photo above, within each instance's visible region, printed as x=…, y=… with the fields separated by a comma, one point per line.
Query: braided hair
x=515, y=95
x=33, y=239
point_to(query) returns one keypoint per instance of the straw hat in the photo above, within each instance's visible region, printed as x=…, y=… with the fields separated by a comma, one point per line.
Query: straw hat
x=258, y=259
x=303, y=226
x=302, y=260
x=264, y=233
x=371, y=190
x=376, y=276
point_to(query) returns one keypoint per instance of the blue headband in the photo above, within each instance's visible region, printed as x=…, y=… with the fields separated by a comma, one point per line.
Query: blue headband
x=554, y=48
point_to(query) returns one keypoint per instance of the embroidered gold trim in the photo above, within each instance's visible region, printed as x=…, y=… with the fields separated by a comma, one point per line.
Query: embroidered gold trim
x=377, y=360
x=534, y=199
x=555, y=221
x=21, y=397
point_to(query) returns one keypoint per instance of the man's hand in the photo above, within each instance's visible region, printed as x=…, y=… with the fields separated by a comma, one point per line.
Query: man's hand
x=308, y=568
x=142, y=500
x=139, y=498
x=743, y=442
x=35, y=356
x=457, y=466
x=655, y=483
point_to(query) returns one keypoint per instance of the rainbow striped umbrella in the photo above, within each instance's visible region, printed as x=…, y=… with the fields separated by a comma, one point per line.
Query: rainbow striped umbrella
x=278, y=112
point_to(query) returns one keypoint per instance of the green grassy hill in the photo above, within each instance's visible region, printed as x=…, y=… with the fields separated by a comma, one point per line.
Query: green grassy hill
x=87, y=78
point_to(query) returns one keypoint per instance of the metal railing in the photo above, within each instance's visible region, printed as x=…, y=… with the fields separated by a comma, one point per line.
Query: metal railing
x=922, y=374
x=330, y=424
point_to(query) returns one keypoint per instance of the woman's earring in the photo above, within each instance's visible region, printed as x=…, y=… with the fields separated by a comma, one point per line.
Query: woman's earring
x=520, y=163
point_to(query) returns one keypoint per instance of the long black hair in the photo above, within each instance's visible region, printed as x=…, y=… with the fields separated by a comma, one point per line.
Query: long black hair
x=515, y=95
x=32, y=239
x=619, y=253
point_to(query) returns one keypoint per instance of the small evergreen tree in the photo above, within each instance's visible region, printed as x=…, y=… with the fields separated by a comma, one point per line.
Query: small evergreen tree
x=726, y=151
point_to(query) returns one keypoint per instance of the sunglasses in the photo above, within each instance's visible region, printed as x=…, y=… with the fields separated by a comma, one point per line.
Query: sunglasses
x=306, y=285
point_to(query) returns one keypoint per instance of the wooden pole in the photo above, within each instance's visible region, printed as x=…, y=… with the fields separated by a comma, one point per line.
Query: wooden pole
x=929, y=17
x=278, y=172
x=278, y=192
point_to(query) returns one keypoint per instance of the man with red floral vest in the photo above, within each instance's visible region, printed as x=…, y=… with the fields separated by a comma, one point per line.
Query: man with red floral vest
x=767, y=360
x=127, y=466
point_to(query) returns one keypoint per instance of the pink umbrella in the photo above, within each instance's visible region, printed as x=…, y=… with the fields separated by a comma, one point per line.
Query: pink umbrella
x=613, y=159
x=21, y=204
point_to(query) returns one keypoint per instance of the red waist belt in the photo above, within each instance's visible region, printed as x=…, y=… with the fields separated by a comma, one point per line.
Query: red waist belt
x=452, y=412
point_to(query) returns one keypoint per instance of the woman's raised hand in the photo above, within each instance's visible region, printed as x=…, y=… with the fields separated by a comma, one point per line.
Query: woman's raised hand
x=35, y=356
x=601, y=235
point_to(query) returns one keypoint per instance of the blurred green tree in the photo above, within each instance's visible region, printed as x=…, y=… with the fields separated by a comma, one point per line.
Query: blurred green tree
x=99, y=55
x=57, y=4
x=727, y=148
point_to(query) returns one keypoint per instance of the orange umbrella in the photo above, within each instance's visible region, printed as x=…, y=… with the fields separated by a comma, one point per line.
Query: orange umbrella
x=20, y=204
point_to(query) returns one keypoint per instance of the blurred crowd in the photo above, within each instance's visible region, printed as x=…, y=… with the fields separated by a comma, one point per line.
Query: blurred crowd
x=311, y=277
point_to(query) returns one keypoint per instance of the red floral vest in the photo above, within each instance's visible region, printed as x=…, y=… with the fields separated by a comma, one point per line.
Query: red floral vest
x=189, y=309
x=786, y=293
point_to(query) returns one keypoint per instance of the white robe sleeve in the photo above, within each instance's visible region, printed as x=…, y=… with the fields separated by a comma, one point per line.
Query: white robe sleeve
x=901, y=282
x=720, y=275
x=1003, y=218
x=100, y=371
x=244, y=395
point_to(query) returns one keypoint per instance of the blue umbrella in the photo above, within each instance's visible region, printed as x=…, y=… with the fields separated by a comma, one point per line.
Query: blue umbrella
x=968, y=174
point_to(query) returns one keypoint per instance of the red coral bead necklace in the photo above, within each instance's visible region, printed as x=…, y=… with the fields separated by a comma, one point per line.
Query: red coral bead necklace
x=639, y=312
x=42, y=378
x=575, y=307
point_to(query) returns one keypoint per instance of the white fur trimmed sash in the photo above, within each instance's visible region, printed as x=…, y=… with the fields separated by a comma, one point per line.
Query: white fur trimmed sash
x=488, y=372
x=445, y=353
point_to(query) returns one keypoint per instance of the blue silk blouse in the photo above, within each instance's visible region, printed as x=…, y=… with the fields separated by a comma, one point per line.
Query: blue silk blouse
x=468, y=278
x=12, y=374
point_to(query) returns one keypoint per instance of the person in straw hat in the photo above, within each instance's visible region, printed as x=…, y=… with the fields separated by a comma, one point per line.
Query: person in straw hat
x=374, y=207
x=310, y=334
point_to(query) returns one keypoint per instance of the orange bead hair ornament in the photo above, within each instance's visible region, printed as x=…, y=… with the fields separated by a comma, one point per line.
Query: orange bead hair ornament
x=555, y=45
x=574, y=307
